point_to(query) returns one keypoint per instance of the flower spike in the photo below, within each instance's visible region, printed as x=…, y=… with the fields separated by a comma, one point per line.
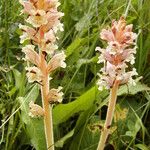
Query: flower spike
x=42, y=25
x=117, y=55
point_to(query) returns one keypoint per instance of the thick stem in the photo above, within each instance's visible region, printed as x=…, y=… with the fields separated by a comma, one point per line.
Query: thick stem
x=109, y=116
x=48, y=124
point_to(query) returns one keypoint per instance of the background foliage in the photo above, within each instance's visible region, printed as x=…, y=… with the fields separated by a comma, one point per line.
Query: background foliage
x=77, y=122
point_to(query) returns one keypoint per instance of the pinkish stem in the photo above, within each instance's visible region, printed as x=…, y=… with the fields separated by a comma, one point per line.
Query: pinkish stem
x=48, y=123
x=109, y=116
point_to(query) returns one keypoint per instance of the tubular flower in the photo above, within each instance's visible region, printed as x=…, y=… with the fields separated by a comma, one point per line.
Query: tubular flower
x=34, y=74
x=118, y=55
x=57, y=61
x=31, y=55
x=35, y=110
x=55, y=95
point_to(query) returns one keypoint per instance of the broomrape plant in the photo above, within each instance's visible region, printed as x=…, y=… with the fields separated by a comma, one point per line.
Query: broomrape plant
x=43, y=23
x=117, y=57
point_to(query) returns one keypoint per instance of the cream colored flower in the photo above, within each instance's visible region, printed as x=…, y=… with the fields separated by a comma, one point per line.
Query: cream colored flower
x=24, y=37
x=37, y=19
x=34, y=74
x=31, y=55
x=55, y=95
x=28, y=33
x=57, y=61
x=58, y=27
x=50, y=48
x=50, y=36
x=35, y=110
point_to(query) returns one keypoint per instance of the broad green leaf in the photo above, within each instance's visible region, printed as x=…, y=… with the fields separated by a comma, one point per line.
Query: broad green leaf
x=142, y=147
x=130, y=89
x=83, y=137
x=136, y=119
x=61, y=142
x=18, y=78
x=19, y=81
x=134, y=127
x=63, y=111
x=128, y=118
x=34, y=126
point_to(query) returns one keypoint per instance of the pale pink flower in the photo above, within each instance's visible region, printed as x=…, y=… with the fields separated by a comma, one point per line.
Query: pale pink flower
x=35, y=110
x=118, y=54
x=34, y=74
x=28, y=6
x=50, y=36
x=120, y=35
x=57, y=61
x=55, y=95
x=31, y=55
x=107, y=35
x=50, y=48
x=38, y=18
x=28, y=33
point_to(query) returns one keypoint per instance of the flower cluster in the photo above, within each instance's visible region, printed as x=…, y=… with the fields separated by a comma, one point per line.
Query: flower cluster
x=43, y=23
x=118, y=55
x=35, y=110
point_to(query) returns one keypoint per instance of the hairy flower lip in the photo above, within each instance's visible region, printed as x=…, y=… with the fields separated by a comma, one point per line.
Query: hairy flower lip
x=35, y=110
x=28, y=33
x=34, y=74
x=55, y=95
x=31, y=55
x=37, y=20
x=50, y=48
x=57, y=61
